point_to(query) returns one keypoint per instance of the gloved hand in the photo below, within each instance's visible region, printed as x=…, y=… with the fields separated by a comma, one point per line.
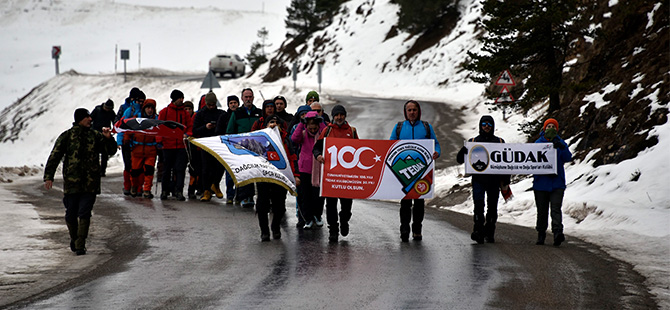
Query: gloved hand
x=557, y=144
x=159, y=146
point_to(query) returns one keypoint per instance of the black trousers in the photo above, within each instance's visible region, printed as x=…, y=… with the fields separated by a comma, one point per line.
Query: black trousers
x=212, y=171
x=78, y=205
x=332, y=214
x=270, y=196
x=485, y=194
x=174, y=166
x=406, y=212
x=544, y=200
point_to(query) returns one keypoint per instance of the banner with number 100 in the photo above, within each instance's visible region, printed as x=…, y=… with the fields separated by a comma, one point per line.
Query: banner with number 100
x=377, y=169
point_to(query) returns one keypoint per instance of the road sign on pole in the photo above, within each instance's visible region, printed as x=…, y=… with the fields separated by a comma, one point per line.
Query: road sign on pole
x=319, y=68
x=295, y=74
x=125, y=55
x=505, y=79
x=55, y=54
x=210, y=81
x=505, y=96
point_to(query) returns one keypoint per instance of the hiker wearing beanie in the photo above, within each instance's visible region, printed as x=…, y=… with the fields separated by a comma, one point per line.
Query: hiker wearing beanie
x=144, y=149
x=221, y=125
x=241, y=121
x=549, y=188
x=131, y=108
x=271, y=196
x=413, y=128
x=103, y=116
x=313, y=97
x=174, y=150
x=280, y=104
x=339, y=128
x=485, y=187
x=204, y=125
x=79, y=148
x=195, y=160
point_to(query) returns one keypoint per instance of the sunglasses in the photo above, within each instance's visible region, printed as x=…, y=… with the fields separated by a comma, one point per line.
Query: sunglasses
x=487, y=124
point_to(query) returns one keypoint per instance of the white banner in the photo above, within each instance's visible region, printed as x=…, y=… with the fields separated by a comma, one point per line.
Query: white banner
x=510, y=158
x=257, y=156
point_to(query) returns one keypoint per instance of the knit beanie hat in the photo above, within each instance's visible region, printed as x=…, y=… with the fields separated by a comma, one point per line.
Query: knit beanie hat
x=134, y=93
x=270, y=118
x=188, y=104
x=80, y=114
x=141, y=95
x=149, y=102
x=338, y=109
x=312, y=94
x=176, y=94
x=550, y=121
x=210, y=98
x=109, y=104
x=232, y=97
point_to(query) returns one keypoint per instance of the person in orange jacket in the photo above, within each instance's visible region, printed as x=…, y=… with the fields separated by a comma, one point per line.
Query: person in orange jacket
x=144, y=149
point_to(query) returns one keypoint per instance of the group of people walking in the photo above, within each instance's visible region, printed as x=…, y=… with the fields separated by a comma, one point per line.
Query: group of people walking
x=302, y=136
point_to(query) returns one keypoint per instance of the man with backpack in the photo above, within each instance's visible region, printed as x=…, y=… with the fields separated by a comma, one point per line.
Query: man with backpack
x=413, y=128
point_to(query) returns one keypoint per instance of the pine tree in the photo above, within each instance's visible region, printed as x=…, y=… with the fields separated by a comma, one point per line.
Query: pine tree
x=257, y=56
x=416, y=19
x=533, y=38
x=301, y=18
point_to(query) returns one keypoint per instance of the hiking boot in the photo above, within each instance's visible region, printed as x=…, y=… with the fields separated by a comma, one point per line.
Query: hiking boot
x=417, y=236
x=148, y=195
x=180, y=197
x=332, y=239
x=308, y=225
x=276, y=235
x=133, y=192
x=126, y=192
x=248, y=203
x=404, y=233
x=558, y=239
x=164, y=195
x=80, y=251
x=229, y=202
x=344, y=228
x=490, y=239
x=192, y=195
x=217, y=191
x=72, y=247
x=540, y=238
x=265, y=237
x=477, y=236
x=318, y=221
x=207, y=196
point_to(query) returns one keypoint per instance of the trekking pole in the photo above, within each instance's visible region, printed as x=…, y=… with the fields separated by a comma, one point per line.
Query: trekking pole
x=260, y=92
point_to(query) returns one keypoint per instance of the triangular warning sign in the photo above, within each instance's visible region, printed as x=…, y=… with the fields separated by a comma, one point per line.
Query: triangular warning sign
x=505, y=78
x=505, y=96
x=210, y=81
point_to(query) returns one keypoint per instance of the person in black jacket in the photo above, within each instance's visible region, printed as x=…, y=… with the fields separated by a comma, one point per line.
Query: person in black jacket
x=280, y=104
x=103, y=116
x=204, y=125
x=485, y=187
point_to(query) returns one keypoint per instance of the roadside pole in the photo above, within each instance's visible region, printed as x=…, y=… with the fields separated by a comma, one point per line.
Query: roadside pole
x=125, y=55
x=55, y=54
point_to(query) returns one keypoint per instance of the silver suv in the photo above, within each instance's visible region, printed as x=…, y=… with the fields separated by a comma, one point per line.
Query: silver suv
x=227, y=63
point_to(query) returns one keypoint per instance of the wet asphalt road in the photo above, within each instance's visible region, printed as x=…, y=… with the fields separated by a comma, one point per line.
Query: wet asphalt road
x=149, y=254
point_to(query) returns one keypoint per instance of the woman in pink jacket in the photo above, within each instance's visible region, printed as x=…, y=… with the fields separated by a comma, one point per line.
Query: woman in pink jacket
x=304, y=137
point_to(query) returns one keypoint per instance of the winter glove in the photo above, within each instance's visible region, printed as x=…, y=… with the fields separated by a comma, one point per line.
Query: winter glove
x=557, y=144
x=159, y=146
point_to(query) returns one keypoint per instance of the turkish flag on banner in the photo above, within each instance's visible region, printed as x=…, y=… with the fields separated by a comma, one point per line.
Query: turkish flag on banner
x=377, y=169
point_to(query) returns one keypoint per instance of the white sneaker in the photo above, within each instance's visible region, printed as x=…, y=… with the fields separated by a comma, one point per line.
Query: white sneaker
x=318, y=221
x=309, y=225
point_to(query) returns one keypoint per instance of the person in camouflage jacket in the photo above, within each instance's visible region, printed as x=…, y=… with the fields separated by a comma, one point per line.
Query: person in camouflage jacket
x=79, y=148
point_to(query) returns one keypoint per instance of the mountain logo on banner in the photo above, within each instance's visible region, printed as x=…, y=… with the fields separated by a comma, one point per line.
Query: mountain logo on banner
x=409, y=165
x=479, y=158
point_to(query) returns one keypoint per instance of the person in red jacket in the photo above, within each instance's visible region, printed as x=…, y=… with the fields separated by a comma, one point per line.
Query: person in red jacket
x=271, y=195
x=339, y=128
x=143, y=154
x=174, y=150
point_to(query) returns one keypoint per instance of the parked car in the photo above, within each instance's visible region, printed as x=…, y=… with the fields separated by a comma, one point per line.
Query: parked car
x=227, y=64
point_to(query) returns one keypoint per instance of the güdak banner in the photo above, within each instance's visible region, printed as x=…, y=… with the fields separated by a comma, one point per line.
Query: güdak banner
x=510, y=158
x=377, y=169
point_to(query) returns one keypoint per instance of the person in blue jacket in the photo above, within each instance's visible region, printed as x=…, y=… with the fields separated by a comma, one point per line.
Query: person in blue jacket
x=549, y=188
x=413, y=128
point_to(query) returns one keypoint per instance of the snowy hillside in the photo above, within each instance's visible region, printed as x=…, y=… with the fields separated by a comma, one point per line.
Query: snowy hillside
x=624, y=208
